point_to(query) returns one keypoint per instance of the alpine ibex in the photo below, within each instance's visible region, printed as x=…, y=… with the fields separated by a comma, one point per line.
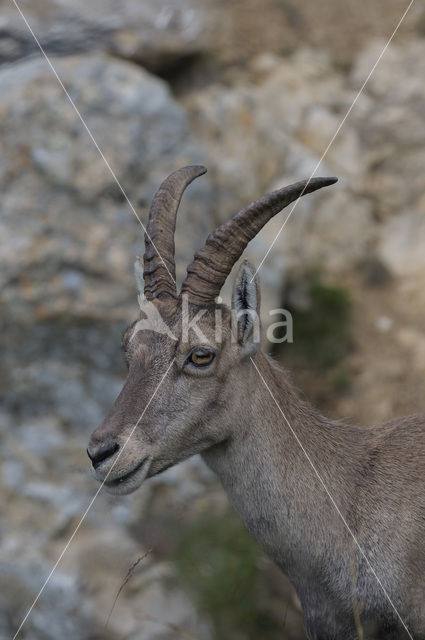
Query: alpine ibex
x=340, y=508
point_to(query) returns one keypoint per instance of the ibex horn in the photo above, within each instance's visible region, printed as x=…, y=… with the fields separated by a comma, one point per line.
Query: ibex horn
x=213, y=263
x=159, y=270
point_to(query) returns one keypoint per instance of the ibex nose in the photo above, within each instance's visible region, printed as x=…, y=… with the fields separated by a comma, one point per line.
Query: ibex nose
x=102, y=453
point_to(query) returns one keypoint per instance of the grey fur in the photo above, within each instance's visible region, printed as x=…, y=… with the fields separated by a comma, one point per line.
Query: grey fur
x=376, y=475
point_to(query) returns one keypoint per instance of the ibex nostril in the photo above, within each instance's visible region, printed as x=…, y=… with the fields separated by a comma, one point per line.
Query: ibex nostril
x=102, y=454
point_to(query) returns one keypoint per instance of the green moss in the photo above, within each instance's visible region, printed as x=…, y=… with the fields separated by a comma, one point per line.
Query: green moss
x=341, y=380
x=322, y=330
x=218, y=562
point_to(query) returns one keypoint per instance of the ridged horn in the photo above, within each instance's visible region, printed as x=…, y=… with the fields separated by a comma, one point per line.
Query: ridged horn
x=159, y=270
x=213, y=263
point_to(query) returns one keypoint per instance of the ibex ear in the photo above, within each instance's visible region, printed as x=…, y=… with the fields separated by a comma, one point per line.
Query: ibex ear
x=246, y=308
x=138, y=273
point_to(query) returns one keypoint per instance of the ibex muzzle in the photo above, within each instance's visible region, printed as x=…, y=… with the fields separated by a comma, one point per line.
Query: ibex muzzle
x=341, y=509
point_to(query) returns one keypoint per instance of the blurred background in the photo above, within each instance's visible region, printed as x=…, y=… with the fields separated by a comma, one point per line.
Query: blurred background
x=255, y=91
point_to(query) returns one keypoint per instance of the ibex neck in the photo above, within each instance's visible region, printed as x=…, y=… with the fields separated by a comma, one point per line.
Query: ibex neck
x=269, y=476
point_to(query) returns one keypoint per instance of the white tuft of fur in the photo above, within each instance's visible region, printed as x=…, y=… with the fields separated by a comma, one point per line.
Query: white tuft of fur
x=245, y=291
x=138, y=274
x=246, y=303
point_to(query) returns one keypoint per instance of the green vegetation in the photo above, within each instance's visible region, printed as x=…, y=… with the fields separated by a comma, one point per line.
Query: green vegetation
x=322, y=330
x=341, y=379
x=218, y=562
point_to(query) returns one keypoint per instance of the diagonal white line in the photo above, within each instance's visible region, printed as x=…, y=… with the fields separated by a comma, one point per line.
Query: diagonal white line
x=83, y=122
x=90, y=505
x=347, y=526
x=334, y=136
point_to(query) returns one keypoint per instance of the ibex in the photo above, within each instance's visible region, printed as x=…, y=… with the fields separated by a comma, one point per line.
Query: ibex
x=340, y=508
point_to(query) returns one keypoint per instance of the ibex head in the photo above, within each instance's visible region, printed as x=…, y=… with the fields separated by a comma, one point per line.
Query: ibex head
x=187, y=354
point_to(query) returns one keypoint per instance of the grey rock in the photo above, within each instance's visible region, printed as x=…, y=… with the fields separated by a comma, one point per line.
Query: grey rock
x=62, y=212
x=61, y=612
x=155, y=35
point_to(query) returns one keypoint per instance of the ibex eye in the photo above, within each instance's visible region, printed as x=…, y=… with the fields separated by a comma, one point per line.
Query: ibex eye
x=200, y=357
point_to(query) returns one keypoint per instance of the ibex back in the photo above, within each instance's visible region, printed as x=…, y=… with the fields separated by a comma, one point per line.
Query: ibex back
x=340, y=508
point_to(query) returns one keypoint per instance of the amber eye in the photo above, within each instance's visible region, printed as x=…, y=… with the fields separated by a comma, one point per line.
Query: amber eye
x=200, y=357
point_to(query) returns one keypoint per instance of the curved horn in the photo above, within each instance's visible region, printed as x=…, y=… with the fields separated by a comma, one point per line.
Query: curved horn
x=213, y=263
x=159, y=271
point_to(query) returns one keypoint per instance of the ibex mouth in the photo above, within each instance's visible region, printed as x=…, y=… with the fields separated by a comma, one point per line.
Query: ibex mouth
x=117, y=482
